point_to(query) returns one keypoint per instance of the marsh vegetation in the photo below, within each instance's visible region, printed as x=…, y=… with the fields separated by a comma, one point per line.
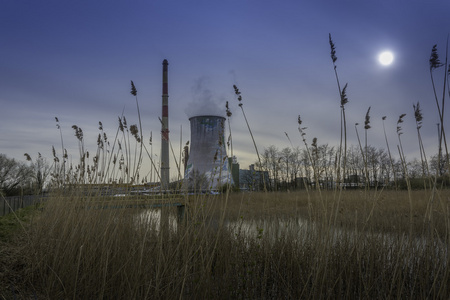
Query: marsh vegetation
x=388, y=239
x=243, y=245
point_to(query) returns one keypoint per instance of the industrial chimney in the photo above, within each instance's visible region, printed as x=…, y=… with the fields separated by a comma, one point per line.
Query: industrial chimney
x=208, y=166
x=165, y=129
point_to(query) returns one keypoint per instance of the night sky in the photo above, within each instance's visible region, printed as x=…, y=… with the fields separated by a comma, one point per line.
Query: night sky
x=74, y=60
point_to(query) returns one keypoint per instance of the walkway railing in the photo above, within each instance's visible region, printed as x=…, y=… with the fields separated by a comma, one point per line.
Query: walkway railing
x=10, y=204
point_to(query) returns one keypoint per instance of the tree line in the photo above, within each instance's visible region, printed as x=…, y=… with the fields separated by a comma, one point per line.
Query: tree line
x=23, y=178
x=294, y=168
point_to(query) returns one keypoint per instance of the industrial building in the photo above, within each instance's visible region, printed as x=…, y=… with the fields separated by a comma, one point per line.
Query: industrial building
x=253, y=180
x=208, y=166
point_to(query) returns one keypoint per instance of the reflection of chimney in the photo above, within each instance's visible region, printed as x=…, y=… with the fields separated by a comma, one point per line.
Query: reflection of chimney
x=165, y=129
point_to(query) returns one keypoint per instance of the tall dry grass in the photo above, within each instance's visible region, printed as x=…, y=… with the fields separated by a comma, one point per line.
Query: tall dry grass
x=288, y=249
x=310, y=244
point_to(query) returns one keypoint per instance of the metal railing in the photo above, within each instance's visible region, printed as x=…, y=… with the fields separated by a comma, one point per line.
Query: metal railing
x=10, y=204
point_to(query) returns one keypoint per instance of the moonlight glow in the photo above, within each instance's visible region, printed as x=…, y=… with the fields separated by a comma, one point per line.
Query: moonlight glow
x=386, y=58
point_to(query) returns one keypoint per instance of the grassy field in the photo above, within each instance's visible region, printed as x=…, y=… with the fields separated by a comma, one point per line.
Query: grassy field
x=358, y=244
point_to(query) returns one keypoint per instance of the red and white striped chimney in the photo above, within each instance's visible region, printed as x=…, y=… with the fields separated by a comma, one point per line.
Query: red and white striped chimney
x=165, y=129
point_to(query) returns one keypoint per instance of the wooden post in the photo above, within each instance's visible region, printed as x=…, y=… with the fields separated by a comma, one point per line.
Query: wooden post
x=180, y=213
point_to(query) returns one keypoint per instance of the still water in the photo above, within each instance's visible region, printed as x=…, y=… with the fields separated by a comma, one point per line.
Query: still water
x=300, y=231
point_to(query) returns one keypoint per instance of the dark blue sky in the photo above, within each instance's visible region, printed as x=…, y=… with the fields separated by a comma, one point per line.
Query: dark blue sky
x=74, y=60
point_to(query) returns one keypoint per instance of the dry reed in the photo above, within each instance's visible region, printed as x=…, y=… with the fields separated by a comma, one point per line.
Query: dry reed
x=231, y=247
x=308, y=244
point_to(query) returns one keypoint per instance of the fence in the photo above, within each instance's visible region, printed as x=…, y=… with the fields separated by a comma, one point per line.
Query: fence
x=10, y=204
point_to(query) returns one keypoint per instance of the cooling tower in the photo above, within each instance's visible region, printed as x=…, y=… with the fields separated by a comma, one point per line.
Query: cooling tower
x=208, y=166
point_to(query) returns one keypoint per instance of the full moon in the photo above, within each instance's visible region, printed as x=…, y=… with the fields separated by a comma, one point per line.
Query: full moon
x=386, y=58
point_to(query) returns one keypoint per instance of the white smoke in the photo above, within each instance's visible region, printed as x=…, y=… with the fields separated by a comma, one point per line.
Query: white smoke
x=205, y=102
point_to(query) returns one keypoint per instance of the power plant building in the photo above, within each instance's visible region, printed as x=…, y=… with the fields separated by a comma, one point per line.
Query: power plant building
x=208, y=166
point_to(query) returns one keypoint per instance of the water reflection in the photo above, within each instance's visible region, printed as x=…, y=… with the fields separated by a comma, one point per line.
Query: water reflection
x=301, y=231
x=272, y=229
x=151, y=218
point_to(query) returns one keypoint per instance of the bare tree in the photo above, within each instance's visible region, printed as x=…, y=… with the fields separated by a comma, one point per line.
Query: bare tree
x=271, y=163
x=295, y=166
x=14, y=176
x=438, y=164
x=355, y=164
x=286, y=158
x=40, y=171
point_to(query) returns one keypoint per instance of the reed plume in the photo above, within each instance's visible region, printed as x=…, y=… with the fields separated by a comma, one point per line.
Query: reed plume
x=366, y=128
x=363, y=153
x=343, y=102
x=239, y=97
x=435, y=64
x=308, y=151
x=63, y=151
x=139, y=161
x=230, y=137
x=391, y=161
x=405, y=169
x=423, y=158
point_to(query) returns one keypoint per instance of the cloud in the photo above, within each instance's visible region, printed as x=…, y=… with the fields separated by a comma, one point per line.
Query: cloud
x=205, y=101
